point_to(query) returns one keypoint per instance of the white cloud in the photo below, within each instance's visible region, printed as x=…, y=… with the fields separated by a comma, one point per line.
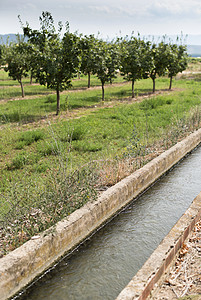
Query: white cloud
x=102, y=9
x=27, y=6
x=173, y=8
x=119, y=10
x=146, y=8
x=107, y=16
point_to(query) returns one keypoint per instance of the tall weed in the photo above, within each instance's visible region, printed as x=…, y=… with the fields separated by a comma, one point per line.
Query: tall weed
x=31, y=206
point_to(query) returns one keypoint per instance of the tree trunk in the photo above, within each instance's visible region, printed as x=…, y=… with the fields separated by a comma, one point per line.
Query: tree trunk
x=133, y=93
x=154, y=85
x=103, y=92
x=170, y=86
x=22, y=88
x=89, y=80
x=31, y=78
x=58, y=102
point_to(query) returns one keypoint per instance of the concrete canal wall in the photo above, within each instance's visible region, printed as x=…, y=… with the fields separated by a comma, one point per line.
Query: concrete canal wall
x=141, y=285
x=21, y=266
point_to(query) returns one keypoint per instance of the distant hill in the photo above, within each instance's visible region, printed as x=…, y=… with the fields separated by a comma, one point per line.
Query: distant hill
x=194, y=50
x=193, y=39
x=7, y=37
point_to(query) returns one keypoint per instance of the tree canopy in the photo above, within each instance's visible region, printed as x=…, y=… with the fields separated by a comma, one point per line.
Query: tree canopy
x=135, y=59
x=54, y=56
x=18, y=61
x=87, y=44
x=106, y=62
x=176, y=61
x=56, y=59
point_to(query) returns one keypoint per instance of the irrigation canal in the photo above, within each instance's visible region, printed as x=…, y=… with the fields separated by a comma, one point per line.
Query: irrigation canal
x=105, y=263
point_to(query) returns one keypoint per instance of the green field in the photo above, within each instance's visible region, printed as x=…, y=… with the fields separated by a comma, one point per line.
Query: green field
x=51, y=165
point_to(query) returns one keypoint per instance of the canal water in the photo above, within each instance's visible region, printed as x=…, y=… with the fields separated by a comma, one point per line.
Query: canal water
x=104, y=264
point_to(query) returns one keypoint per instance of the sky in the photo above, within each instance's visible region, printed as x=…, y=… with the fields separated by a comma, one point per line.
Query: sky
x=109, y=17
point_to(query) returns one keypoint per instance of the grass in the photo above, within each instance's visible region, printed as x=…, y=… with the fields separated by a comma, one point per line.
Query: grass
x=104, y=132
x=15, y=92
x=11, y=88
x=194, y=64
x=39, y=162
x=29, y=110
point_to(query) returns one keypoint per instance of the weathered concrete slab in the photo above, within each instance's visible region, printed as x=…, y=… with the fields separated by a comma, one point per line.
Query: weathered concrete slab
x=21, y=266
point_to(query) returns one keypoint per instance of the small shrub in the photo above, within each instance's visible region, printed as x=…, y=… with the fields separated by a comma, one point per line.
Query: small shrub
x=135, y=147
x=29, y=137
x=22, y=159
x=152, y=103
x=20, y=145
x=87, y=147
x=51, y=99
x=169, y=101
x=94, y=147
x=122, y=93
x=76, y=135
x=115, y=117
x=19, y=161
x=40, y=168
x=48, y=149
x=15, y=116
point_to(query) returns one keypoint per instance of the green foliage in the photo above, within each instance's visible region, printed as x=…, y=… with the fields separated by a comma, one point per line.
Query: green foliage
x=167, y=58
x=154, y=103
x=159, y=60
x=19, y=161
x=56, y=60
x=177, y=60
x=69, y=133
x=77, y=133
x=3, y=52
x=29, y=137
x=87, y=146
x=41, y=184
x=47, y=149
x=135, y=59
x=18, y=62
x=22, y=159
x=1, y=55
x=30, y=208
x=86, y=45
x=40, y=167
x=51, y=99
x=106, y=62
x=135, y=146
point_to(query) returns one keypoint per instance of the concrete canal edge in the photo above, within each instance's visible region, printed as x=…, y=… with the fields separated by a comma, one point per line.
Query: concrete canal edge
x=141, y=285
x=20, y=267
